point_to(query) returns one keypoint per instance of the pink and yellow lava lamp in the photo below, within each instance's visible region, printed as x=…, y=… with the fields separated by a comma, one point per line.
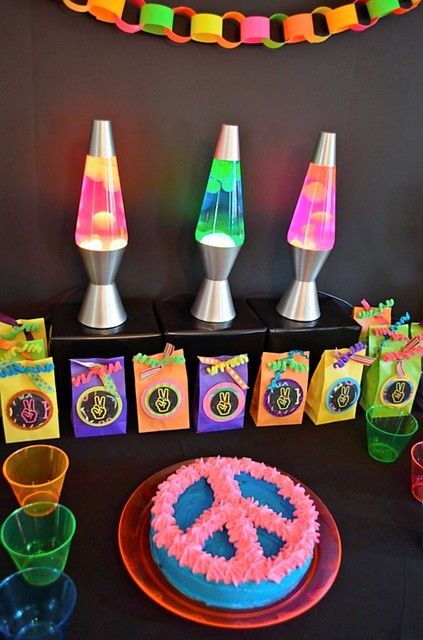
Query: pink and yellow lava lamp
x=101, y=233
x=312, y=232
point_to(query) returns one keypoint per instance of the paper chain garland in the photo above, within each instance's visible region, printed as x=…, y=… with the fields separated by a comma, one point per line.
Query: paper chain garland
x=182, y=24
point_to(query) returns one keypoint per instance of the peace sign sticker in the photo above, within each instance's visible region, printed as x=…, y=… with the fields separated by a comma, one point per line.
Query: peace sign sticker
x=161, y=400
x=397, y=391
x=97, y=407
x=283, y=397
x=342, y=395
x=223, y=402
x=30, y=410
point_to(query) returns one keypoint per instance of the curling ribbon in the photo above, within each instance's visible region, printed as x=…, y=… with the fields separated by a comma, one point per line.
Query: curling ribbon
x=33, y=373
x=412, y=348
x=372, y=313
x=287, y=363
x=17, y=326
x=155, y=364
x=158, y=19
x=384, y=331
x=25, y=348
x=342, y=359
x=403, y=320
x=102, y=371
x=226, y=365
x=280, y=366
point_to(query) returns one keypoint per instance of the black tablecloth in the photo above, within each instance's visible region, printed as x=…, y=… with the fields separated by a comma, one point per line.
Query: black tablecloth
x=377, y=593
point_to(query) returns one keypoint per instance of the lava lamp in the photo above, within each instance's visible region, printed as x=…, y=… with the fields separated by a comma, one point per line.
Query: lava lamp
x=101, y=234
x=220, y=229
x=311, y=234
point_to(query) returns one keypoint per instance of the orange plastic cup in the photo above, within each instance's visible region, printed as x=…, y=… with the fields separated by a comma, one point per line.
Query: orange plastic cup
x=36, y=473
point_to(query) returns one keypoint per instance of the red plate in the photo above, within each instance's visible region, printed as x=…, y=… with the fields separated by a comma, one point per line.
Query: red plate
x=134, y=547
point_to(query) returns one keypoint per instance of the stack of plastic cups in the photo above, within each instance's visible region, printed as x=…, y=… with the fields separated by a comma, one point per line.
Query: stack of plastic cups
x=37, y=601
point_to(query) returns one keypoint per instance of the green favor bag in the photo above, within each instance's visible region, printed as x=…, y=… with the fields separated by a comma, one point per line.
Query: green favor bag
x=393, y=378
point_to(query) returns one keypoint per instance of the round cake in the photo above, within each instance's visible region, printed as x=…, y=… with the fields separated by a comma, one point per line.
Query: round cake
x=233, y=533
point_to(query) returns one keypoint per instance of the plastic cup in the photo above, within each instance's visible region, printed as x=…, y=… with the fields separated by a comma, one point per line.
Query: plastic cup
x=36, y=612
x=36, y=473
x=38, y=541
x=389, y=430
x=417, y=471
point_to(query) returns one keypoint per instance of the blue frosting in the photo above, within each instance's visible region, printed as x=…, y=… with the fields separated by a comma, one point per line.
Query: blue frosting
x=220, y=545
x=265, y=493
x=191, y=504
x=248, y=595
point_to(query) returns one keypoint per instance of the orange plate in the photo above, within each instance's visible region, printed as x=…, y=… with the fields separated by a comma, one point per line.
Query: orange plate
x=133, y=535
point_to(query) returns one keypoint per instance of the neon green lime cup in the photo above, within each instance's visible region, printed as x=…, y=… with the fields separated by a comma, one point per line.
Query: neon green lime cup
x=39, y=535
x=389, y=430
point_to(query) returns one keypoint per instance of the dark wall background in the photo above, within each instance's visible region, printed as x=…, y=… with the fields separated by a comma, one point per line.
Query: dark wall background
x=60, y=70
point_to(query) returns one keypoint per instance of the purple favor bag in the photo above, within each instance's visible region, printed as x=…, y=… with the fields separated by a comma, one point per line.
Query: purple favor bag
x=98, y=396
x=220, y=393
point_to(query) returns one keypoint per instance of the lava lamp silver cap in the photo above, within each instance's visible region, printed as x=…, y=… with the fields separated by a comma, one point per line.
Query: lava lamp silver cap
x=101, y=143
x=227, y=147
x=325, y=150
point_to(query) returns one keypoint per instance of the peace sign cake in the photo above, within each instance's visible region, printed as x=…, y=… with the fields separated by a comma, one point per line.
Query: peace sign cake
x=233, y=533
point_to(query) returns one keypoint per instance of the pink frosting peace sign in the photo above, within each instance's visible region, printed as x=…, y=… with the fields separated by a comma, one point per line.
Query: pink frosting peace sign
x=241, y=516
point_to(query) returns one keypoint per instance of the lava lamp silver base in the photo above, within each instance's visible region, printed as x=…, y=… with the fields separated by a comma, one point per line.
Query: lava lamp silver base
x=102, y=307
x=214, y=300
x=300, y=302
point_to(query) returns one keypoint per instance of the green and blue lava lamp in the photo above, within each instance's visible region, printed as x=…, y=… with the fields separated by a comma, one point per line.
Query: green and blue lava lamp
x=220, y=229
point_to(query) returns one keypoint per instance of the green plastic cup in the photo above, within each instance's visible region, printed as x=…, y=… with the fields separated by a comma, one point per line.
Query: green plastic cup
x=389, y=430
x=39, y=535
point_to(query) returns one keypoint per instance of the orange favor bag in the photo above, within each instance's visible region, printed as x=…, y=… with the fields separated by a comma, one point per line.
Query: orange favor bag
x=367, y=316
x=161, y=389
x=280, y=390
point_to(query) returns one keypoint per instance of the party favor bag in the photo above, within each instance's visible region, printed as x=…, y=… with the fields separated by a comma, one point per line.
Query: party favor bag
x=416, y=329
x=335, y=385
x=280, y=390
x=367, y=316
x=19, y=331
x=161, y=389
x=98, y=396
x=394, y=376
x=378, y=336
x=28, y=350
x=28, y=401
x=220, y=393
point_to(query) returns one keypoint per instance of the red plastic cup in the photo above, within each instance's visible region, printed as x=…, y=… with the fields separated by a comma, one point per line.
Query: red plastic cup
x=417, y=471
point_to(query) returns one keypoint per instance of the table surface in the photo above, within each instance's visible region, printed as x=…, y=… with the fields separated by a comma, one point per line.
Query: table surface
x=376, y=595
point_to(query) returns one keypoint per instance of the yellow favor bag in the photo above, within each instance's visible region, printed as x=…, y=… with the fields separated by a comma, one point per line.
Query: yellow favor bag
x=28, y=401
x=335, y=385
x=280, y=390
x=161, y=389
x=19, y=331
